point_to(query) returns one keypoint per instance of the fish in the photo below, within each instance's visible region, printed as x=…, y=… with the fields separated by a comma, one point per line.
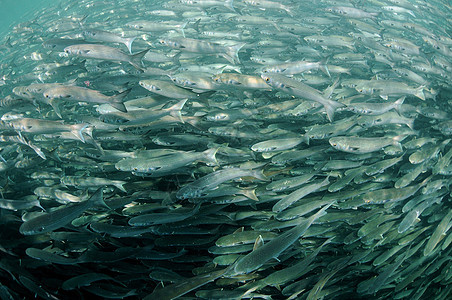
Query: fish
x=204, y=47
x=272, y=249
x=76, y=93
x=362, y=145
x=37, y=126
x=56, y=219
x=106, y=36
x=108, y=53
x=219, y=149
x=300, y=89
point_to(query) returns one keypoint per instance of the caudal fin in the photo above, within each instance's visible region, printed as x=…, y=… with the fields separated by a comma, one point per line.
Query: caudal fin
x=117, y=101
x=229, y=4
x=398, y=104
x=176, y=108
x=209, y=154
x=420, y=93
x=119, y=185
x=331, y=108
x=77, y=130
x=128, y=42
x=136, y=59
x=98, y=198
x=233, y=53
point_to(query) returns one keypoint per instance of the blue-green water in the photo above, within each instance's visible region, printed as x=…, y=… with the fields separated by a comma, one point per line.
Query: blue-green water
x=264, y=149
x=13, y=12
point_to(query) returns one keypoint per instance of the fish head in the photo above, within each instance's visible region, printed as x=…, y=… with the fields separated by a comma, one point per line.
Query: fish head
x=135, y=25
x=74, y=50
x=220, y=116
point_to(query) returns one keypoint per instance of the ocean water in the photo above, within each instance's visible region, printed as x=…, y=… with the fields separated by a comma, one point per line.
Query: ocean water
x=14, y=12
x=225, y=149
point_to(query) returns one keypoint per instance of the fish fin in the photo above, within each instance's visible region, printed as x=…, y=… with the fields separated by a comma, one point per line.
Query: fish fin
x=128, y=42
x=258, y=243
x=321, y=212
x=398, y=104
x=37, y=150
x=98, y=198
x=175, y=58
x=210, y=156
x=410, y=124
x=55, y=107
x=329, y=90
x=229, y=4
x=82, y=21
x=233, y=52
x=331, y=108
x=397, y=139
x=324, y=66
x=119, y=185
x=195, y=25
x=241, y=229
x=117, y=101
x=251, y=194
x=136, y=59
x=183, y=27
x=77, y=130
x=259, y=174
x=176, y=108
x=420, y=92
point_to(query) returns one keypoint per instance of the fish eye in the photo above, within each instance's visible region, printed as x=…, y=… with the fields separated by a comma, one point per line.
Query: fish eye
x=267, y=79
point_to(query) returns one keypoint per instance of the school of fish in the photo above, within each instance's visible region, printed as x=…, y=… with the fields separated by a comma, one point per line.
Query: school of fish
x=248, y=149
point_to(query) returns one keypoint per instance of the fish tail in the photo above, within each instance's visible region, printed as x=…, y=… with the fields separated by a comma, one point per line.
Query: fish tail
x=233, y=52
x=77, y=130
x=210, y=156
x=410, y=124
x=331, y=108
x=98, y=198
x=324, y=67
x=195, y=25
x=37, y=150
x=420, y=93
x=119, y=185
x=176, y=109
x=54, y=103
x=251, y=194
x=259, y=174
x=183, y=27
x=398, y=104
x=117, y=101
x=397, y=139
x=288, y=10
x=128, y=42
x=321, y=212
x=229, y=4
x=136, y=59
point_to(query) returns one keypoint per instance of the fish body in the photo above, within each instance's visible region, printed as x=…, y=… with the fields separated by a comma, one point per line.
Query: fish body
x=361, y=145
x=108, y=53
x=299, y=89
x=56, y=219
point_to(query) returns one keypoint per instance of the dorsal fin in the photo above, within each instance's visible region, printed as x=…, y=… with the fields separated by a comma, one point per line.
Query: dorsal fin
x=241, y=229
x=258, y=243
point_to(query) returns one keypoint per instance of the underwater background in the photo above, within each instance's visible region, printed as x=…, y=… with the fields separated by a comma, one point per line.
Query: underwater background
x=265, y=149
